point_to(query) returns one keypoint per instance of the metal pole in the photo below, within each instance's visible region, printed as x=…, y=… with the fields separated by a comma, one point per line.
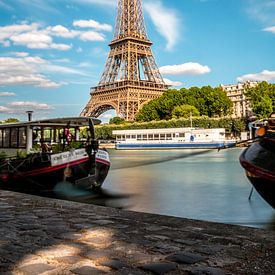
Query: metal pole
x=250, y=195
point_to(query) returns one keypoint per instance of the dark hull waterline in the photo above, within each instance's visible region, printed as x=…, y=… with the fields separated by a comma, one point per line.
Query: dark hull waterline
x=45, y=178
x=259, y=162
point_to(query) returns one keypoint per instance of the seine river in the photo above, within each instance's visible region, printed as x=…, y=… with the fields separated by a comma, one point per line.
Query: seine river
x=208, y=185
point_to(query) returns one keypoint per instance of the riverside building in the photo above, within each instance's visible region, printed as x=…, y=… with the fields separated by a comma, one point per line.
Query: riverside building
x=236, y=92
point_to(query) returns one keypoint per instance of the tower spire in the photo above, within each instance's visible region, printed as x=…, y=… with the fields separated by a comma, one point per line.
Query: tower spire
x=130, y=20
x=131, y=77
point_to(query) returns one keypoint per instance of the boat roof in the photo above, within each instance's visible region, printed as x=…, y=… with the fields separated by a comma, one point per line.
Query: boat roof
x=58, y=122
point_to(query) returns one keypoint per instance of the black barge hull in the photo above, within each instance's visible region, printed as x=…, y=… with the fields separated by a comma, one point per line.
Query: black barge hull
x=45, y=178
x=259, y=162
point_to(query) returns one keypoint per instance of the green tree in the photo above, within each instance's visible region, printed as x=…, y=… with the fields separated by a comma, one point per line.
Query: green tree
x=11, y=120
x=117, y=120
x=185, y=111
x=211, y=102
x=262, y=98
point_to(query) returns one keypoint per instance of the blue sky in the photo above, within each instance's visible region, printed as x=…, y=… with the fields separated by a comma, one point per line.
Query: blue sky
x=53, y=51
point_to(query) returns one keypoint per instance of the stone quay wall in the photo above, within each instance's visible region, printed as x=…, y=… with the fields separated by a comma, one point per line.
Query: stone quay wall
x=48, y=236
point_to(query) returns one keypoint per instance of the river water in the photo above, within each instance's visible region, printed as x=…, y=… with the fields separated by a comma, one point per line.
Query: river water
x=205, y=185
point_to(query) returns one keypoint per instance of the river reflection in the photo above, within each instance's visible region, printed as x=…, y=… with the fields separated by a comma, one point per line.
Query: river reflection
x=207, y=185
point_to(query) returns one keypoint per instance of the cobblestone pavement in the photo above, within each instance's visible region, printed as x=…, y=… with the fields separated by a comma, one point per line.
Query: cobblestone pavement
x=47, y=236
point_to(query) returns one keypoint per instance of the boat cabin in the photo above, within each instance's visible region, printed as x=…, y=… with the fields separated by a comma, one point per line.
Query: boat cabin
x=41, y=135
x=170, y=134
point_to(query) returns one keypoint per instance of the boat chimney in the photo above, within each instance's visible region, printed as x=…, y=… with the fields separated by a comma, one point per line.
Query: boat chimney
x=29, y=115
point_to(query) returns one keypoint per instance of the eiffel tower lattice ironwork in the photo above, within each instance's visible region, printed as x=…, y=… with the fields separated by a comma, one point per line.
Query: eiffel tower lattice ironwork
x=131, y=77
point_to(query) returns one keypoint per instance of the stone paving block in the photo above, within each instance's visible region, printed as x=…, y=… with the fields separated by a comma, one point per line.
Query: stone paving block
x=33, y=269
x=207, y=271
x=114, y=264
x=185, y=258
x=86, y=270
x=159, y=268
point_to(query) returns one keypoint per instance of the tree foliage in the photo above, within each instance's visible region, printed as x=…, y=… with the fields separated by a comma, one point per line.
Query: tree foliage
x=262, y=98
x=117, y=120
x=211, y=102
x=185, y=111
x=10, y=120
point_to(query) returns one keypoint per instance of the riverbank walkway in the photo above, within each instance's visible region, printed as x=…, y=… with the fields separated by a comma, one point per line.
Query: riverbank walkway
x=49, y=236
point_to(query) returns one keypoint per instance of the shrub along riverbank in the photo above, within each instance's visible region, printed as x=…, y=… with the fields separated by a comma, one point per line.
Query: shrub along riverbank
x=232, y=126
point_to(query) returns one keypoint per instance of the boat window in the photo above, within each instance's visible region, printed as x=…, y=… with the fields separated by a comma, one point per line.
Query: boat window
x=156, y=136
x=47, y=135
x=181, y=134
x=14, y=139
x=150, y=137
x=138, y=137
x=1, y=138
x=128, y=136
x=162, y=136
x=144, y=137
x=6, y=138
x=22, y=137
x=168, y=136
x=133, y=136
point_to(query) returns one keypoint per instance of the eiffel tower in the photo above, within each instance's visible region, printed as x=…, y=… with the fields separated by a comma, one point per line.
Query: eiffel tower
x=131, y=77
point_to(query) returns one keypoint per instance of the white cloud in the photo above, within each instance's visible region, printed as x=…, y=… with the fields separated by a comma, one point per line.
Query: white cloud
x=7, y=31
x=20, y=107
x=30, y=71
x=34, y=37
x=265, y=75
x=166, y=22
x=37, y=40
x=189, y=68
x=4, y=109
x=172, y=83
x=92, y=24
x=92, y=36
x=270, y=29
x=62, y=31
x=21, y=54
x=30, y=104
x=7, y=94
x=106, y=116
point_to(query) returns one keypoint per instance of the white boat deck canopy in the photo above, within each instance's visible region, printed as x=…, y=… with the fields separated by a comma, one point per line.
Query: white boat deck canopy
x=56, y=122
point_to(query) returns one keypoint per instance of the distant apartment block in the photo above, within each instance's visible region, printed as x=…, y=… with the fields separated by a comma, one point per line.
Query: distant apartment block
x=236, y=92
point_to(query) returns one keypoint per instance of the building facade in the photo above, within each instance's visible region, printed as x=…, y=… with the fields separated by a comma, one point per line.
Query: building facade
x=236, y=92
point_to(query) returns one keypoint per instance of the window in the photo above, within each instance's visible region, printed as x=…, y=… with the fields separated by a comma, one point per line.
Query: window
x=162, y=136
x=138, y=137
x=156, y=136
x=144, y=137
x=14, y=137
x=6, y=138
x=150, y=137
x=168, y=136
x=1, y=138
x=22, y=137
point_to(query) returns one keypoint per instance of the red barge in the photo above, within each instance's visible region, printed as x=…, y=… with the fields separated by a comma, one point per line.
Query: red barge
x=36, y=155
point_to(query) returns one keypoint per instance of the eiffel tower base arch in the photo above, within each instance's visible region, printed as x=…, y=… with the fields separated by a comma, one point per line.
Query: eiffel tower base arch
x=125, y=100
